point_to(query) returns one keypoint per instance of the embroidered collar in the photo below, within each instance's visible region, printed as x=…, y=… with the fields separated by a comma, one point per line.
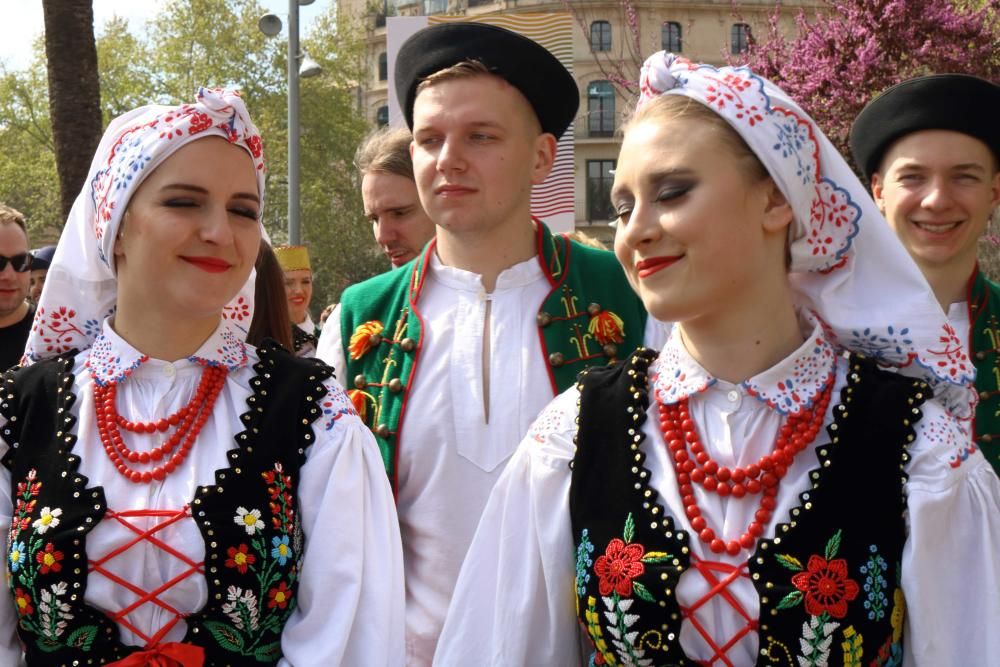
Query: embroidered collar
x=787, y=387
x=111, y=359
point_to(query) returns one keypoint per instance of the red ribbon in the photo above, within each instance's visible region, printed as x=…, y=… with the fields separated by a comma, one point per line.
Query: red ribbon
x=170, y=654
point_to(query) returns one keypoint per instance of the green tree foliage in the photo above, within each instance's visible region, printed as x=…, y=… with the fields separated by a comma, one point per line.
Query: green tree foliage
x=216, y=43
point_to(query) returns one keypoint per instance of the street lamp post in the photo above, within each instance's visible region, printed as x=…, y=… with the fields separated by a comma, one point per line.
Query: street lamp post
x=298, y=66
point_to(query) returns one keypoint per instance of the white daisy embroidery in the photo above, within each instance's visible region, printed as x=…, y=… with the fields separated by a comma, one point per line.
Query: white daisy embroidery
x=249, y=519
x=49, y=518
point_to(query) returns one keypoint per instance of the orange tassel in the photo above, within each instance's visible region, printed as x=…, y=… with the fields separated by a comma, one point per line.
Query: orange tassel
x=358, y=398
x=607, y=327
x=364, y=338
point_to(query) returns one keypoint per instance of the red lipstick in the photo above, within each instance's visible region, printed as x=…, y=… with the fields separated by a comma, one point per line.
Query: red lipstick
x=208, y=264
x=651, y=265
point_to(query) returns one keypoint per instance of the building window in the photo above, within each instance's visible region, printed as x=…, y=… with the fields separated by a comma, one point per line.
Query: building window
x=670, y=37
x=600, y=177
x=435, y=6
x=600, y=36
x=739, y=38
x=382, y=116
x=480, y=3
x=600, y=109
x=383, y=66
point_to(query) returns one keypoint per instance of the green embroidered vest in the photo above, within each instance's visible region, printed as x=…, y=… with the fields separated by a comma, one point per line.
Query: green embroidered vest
x=984, y=345
x=591, y=316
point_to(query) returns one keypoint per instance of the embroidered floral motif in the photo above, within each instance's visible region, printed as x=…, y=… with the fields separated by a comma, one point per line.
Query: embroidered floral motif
x=583, y=562
x=41, y=609
x=249, y=519
x=852, y=646
x=875, y=585
x=57, y=328
x=606, y=327
x=617, y=569
x=336, y=405
x=240, y=558
x=271, y=570
x=365, y=337
x=812, y=370
x=675, y=375
x=825, y=588
x=107, y=366
x=49, y=559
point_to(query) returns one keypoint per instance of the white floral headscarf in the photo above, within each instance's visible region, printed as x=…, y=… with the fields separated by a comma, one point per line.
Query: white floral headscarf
x=81, y=287
x=848, y=270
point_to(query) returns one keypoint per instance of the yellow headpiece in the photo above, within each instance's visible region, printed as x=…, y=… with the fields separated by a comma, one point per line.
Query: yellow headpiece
x=293, y=257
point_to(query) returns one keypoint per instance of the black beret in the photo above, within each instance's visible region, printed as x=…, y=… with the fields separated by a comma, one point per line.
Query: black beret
x=524, y=63
x=42, y=258
x=956, y=102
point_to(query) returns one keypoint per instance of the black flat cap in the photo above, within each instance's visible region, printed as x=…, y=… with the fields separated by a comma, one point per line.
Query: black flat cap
x=956, y=102
x=42, y=258
x=524, y=63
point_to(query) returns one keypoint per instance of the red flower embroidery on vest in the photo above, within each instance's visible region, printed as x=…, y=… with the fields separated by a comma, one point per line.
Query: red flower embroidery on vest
x=619, y=565
x=240, y=558
x=826, y=586
x=279, y=596
x=22, y=601
x=49, y=559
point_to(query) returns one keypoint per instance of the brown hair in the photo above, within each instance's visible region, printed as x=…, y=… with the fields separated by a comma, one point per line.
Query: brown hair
x=463, y=70
x=11, y=216
x=270, y=315
x=386, y=150
x=679, y=107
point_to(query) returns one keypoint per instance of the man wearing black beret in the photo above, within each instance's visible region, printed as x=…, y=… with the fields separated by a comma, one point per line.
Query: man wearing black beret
x=450, y=357
x=931, y=148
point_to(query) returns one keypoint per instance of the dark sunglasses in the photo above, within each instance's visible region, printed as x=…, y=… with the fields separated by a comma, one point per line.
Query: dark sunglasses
x=20, y=262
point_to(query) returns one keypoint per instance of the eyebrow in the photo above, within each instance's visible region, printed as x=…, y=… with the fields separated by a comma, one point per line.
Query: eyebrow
x=965, y=166
x=200, y=190
x=660, y=175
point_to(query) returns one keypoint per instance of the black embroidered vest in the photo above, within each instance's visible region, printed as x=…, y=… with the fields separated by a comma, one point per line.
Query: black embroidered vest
x=249, y=519
x=829, y=580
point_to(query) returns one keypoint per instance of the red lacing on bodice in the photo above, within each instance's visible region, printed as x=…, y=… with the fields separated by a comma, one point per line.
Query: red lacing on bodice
x=170, y=517
x=720, y=588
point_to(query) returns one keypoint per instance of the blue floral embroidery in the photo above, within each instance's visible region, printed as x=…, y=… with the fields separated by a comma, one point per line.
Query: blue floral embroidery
x=583, y=563
x=876, y=601
x=17, y=555
x=892, y=345
x=281, y=550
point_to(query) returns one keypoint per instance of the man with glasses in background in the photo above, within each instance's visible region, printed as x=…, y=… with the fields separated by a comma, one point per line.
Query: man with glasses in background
x=16, y=313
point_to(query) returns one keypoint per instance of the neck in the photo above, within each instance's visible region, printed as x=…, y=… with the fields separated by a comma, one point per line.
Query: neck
x=14, y=316
x=949, y=281
x=739, y=342
x=489, y=252
x=160, y=335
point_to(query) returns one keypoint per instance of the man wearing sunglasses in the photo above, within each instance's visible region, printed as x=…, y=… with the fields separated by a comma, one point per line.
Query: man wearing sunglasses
x=15, y=277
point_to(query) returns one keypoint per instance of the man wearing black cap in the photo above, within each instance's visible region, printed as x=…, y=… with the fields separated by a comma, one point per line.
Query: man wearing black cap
x=450, y=357
x=40, y=262
x=931, y=147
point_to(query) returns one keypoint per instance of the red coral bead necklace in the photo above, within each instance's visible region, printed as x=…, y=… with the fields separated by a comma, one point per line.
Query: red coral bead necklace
x=189, y=421
x=693, y=465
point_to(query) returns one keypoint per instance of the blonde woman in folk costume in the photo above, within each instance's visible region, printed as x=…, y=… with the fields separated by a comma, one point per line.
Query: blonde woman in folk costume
x=294, y=261
x=749, y=494
x=163, y=482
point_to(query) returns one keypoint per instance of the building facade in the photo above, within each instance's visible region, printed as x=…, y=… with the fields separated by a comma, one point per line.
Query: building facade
x=610, y=42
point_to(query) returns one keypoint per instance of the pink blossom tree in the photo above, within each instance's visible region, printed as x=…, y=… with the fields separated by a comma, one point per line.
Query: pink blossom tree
x=851, y=50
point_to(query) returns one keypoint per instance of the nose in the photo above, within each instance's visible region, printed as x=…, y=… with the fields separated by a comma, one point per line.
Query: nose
x=449, y=156
x=384, y=230
x=642, y=227
x=937, y=196
x=216, y=226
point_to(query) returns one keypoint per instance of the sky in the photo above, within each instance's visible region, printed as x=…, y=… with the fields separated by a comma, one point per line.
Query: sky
x=24, y=21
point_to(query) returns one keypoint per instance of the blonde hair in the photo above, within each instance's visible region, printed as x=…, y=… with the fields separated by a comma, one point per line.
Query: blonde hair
x=463, y=70
x=387, y=151
x=678, y=107
x=11, y=216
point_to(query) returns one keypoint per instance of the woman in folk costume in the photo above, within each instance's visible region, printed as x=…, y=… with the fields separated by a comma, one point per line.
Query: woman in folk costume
x=172, y=495
x=750, y=494
x=294, y=261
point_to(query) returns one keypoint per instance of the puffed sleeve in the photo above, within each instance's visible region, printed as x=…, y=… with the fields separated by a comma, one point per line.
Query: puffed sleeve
x=331, y=346
x=514, y=601
x=351, y=595
x=951, y=561
x=10, y=648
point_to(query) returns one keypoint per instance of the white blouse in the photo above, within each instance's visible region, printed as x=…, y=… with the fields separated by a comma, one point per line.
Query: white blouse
x=450, y=453
x=350, y=591
x=514, y=601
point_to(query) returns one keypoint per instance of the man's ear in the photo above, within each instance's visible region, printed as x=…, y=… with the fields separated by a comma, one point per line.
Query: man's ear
x=544, y=157
x=877, y=183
